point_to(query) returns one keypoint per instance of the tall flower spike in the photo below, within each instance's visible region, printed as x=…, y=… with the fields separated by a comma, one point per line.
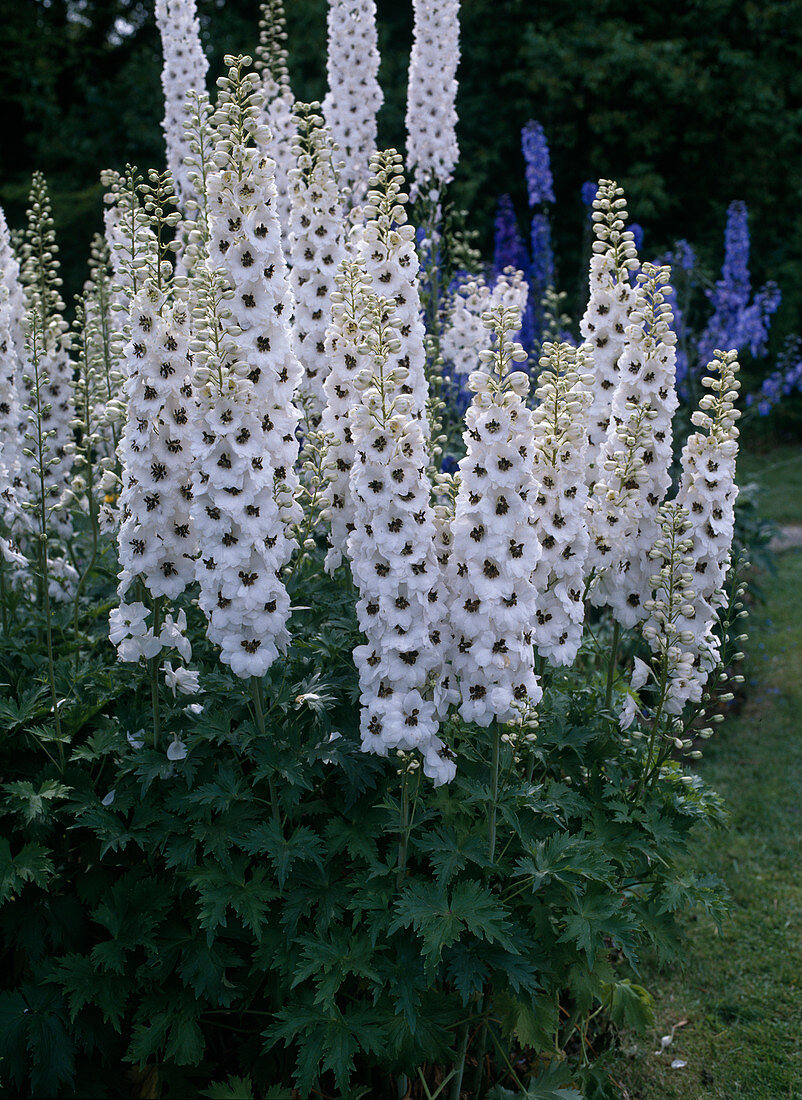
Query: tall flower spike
x=103, y=353
x=246, y=244
x=466, y=334
x=13, y=488
x=560, y=507
x=386, y=248
x=354, y=96
x=706, y=496
x=392, y=552
x=271, y=63
x=611, y=301
x=246, y=376
x=185, y=68
x=495, y=547
x=42, y=286
x=432, y=149
x=316, y=248
x=636, y=455
x=10, y=279
x=344, y=343
x=156, y=540
x=201, y=141
x=129, y=236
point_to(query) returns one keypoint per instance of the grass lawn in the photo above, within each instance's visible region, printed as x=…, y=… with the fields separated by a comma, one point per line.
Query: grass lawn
x=741, y=992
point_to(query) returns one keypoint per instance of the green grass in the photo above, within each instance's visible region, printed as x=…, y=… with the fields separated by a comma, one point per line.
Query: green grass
x=778, y=474
x=741, y=991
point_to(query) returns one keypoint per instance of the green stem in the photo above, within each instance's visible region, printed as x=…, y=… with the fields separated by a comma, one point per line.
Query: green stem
x=403, y=829
x=611, y=666
x=256, y=695
x=154, y=677
x=491, y=825
x=3, y=609
x=456, y=1084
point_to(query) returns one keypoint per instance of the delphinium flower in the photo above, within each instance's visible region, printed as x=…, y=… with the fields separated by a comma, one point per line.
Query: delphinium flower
x=246, y=376
x=13, y=487
x=432, y=149
x=735, y=323
x=634, y=462
x=682, y=261
x=270, y=61
x=465, y=334
x=782, y=382
x=103, y=351
x=607, y=314
x=560, y=431
x=495, y=546
x=10, y=279
x=392, y=554
x=129, y=236
x=344, y=342
x=354, y=96
x=540, y=191
x=316, y=248
x=509, y=249
x=386, y=248
x=42, y=287
x=201, y=140
x=185, y=68
x=706, y=495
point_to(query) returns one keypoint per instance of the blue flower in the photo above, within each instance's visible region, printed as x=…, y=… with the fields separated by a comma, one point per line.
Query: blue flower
x=539, y=182
x=589, y=190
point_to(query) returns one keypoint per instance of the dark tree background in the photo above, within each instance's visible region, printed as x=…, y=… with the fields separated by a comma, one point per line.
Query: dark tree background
x=688, y=105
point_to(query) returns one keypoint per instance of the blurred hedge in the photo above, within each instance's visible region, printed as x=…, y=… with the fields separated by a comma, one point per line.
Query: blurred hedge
x=688, y=106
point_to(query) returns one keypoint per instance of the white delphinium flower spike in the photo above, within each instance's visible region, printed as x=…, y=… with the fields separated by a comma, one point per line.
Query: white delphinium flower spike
x=10, y=279
x=606, y=318
x=201, y=141
x=432, y=149
x=344, y=343
x=246, y=377
x=386, y=249
x=392, y=553
x=706, y=496
x=129, y=236
x=625, y=524
x=103, y=351
x=13, y=487
x=316, y=248
x=185, y=68
x=270, y=61
x=246, y=244
x=354, y=96
x=495, y=547
x=42, y=287
x=156, y=538
x=465, y=335
x=560, y=506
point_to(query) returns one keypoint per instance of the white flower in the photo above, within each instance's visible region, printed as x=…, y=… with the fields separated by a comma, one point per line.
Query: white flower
x=494, y=545
x=136, y=740
x=194, y=710
x=431, y=118
x=277, y=111
x=354, y=96
x=174, y=633
x=176, y=750
x=185, y=680
x=185, y=68
x=607, y=315
x=640, y=674
x=108, y=799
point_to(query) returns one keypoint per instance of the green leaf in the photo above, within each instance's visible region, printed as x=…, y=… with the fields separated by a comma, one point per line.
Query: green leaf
x=31, y=804
x=629, y=1005
x=240, y=1088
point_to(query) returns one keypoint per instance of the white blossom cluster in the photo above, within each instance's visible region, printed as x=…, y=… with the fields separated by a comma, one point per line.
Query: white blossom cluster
x=129, y=238
x=386, y=249
x=495, y=547
x=185, y=68
x=344, y=341
x=465, y=335
x=316, y=249
x=432, y=149
x=634, y=461
x=102, y=353
x=156, y=539
x=270, y=61
x=354, y=96
x=706, y=497
x=10, y=279
x=12, y=479
x=560, y=439
x=606, y=317
x=41, y=283
x=246, y=377
x=392, y=553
